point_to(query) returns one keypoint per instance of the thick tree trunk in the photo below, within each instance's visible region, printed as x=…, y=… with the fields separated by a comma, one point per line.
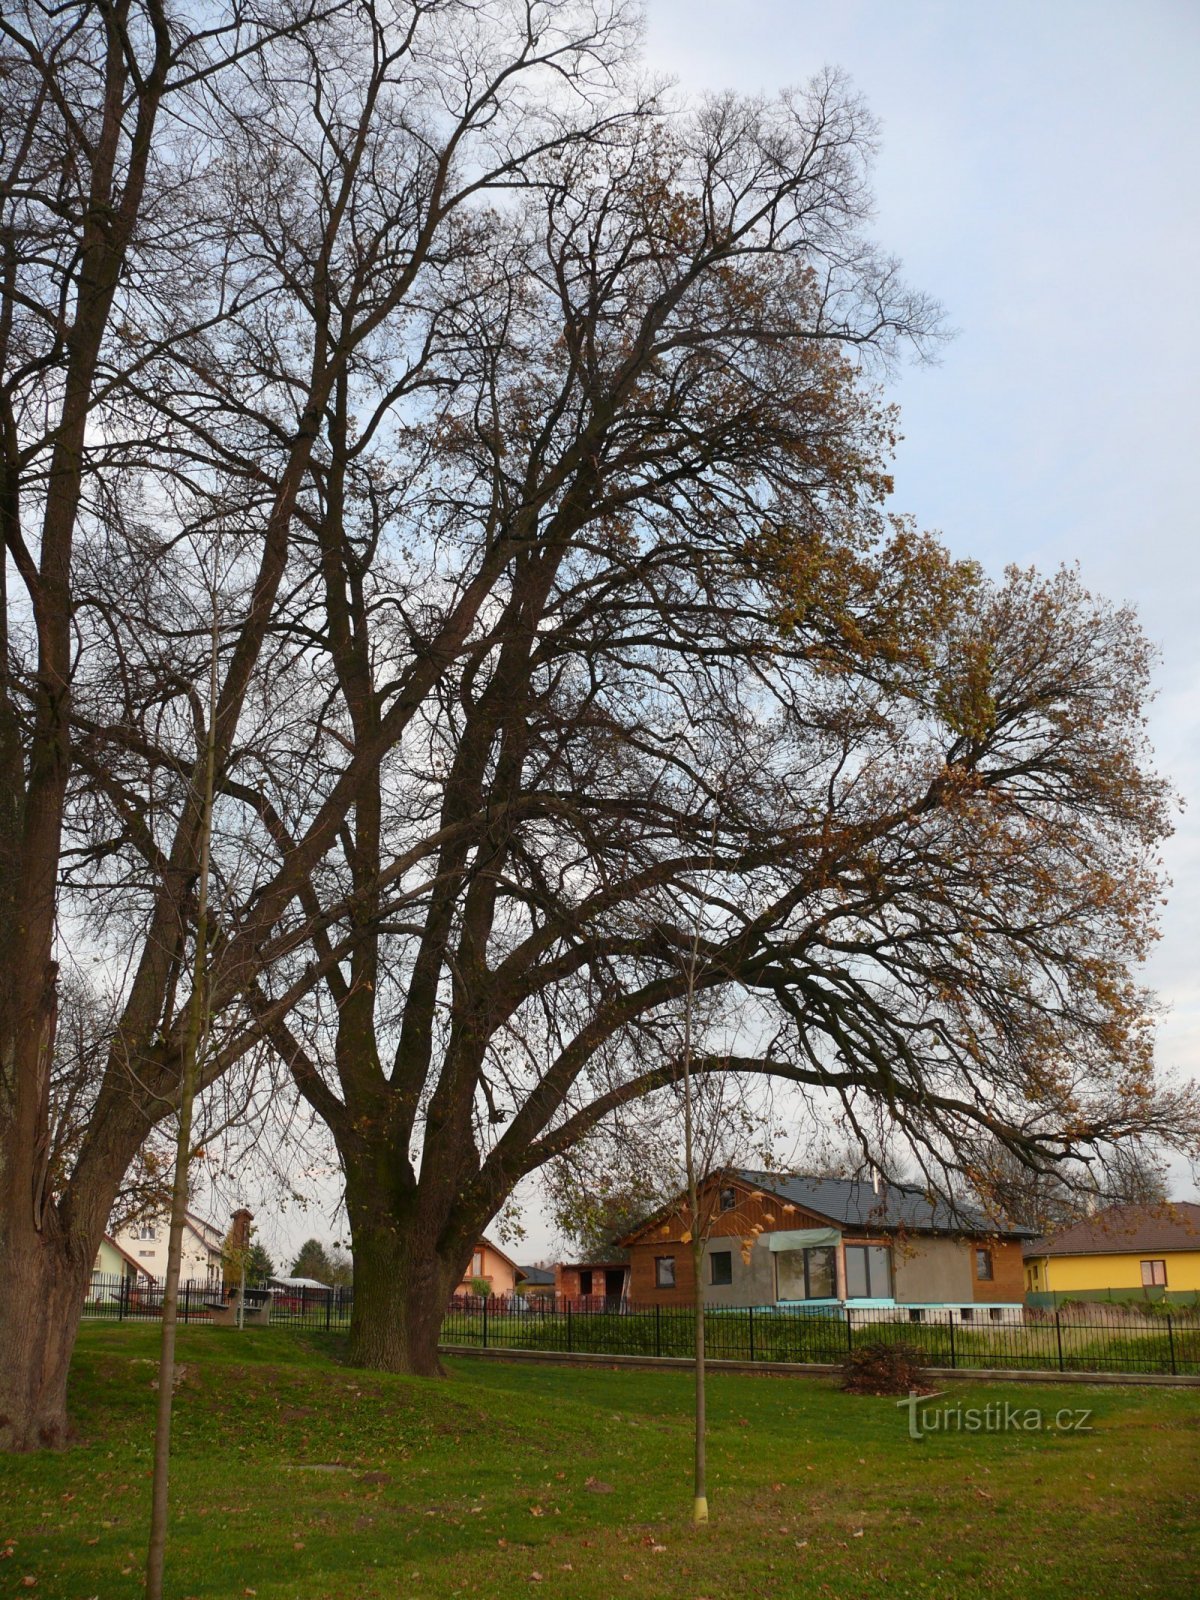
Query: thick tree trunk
x=401, y=1290
x=45, y=1283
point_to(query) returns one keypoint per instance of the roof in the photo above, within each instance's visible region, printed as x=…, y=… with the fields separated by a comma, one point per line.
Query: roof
x=298, y=1283
x=208, y=1231
x=504, y=1256
x=856, y=1203
x=125, y=1256
x=210, y=1237
x=537, y=1276
x=1169, y=1225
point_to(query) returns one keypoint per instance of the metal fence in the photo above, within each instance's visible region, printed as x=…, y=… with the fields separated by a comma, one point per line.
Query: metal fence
x=1077, y=1338
x=126, y=1299
x=1089, y=1338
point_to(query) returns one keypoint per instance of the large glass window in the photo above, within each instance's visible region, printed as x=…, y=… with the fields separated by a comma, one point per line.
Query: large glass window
x=664, y=1272
x=807, y=1274
x=868, y=1272
x=721, y=1264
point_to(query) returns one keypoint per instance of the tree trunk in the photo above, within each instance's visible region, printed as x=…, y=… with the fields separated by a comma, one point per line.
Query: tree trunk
x=401, y=1290
x=44, y=1285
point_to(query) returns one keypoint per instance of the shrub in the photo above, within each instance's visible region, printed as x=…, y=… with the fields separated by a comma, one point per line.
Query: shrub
x=884, y=1369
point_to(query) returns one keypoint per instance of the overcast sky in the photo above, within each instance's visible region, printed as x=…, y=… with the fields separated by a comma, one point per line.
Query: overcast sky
x=1038, y=175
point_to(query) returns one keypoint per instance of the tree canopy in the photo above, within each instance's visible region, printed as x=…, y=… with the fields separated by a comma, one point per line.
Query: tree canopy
x=522, y=436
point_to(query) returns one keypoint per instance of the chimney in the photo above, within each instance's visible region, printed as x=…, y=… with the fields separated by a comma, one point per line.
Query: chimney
x=875, y=1178
x=238, y=1244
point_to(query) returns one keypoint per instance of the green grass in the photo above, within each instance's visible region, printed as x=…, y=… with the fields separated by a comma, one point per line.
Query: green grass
x=295, y=1476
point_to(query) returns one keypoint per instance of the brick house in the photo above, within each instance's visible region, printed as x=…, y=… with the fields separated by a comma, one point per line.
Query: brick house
x=593, y=1285
x=775, y=1239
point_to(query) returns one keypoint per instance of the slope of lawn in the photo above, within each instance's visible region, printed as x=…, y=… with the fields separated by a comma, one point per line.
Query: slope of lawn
x=296, y=1476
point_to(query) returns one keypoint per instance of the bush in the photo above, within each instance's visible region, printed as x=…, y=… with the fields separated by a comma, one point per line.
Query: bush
x=884, y=1369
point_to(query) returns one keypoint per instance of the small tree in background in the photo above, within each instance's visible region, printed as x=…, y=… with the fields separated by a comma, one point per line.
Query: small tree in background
x=255, y=1259
x=314, y=1261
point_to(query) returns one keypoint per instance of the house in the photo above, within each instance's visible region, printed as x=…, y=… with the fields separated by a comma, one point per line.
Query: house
x=773, y=1239
x=490, y=1264
x=1125, y=1252
x=537, y=1283
x=115, y=1266
x=144, y=1242
x=593, y=1285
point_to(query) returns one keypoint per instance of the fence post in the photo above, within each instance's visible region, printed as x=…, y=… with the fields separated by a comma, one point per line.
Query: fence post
x=953, y=1361
x=121, y=1292
x=485, y=1305
x=187, y=1300
x=1058, y=1335
x=570, y=1346
x=1171, y=1343
x=752, y=1333
x=849, y=1331
x=658, y=1330
x=328, y=1309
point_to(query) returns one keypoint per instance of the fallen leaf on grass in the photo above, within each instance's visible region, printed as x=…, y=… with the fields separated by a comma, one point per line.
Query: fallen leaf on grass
x=597, y=1486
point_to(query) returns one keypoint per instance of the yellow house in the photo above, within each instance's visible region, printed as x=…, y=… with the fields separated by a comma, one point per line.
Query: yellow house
x=1146, y=1252
x=490, y=1265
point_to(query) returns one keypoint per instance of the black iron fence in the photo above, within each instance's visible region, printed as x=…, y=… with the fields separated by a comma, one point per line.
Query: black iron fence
x=1089, y=1338
x=1076, y=1338
x=126, y=1299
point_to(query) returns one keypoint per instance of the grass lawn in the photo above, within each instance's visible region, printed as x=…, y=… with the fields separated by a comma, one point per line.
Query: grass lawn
x=297, y=1476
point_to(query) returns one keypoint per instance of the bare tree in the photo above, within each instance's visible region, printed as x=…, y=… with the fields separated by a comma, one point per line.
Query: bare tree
x=210, y=223
x=624, y=603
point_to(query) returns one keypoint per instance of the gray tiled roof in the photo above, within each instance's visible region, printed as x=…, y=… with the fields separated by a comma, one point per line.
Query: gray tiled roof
x=854, y=1203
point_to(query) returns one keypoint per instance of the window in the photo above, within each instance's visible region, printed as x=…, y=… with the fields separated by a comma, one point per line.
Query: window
x=147, y=1231
x=728, y=1199
x=916, y=1316
x=477, y=1264
x=721, y=1265
x=1154, y=1274
x=585, y=1281
x=868, y=1272
x=983, y=1265
x=807, y=1274
x=966, y=1315
x=664, y=1272
x=149, y=1253
x=996, y=1314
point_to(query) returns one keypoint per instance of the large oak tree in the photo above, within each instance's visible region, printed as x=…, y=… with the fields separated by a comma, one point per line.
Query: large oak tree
x=653, y=659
